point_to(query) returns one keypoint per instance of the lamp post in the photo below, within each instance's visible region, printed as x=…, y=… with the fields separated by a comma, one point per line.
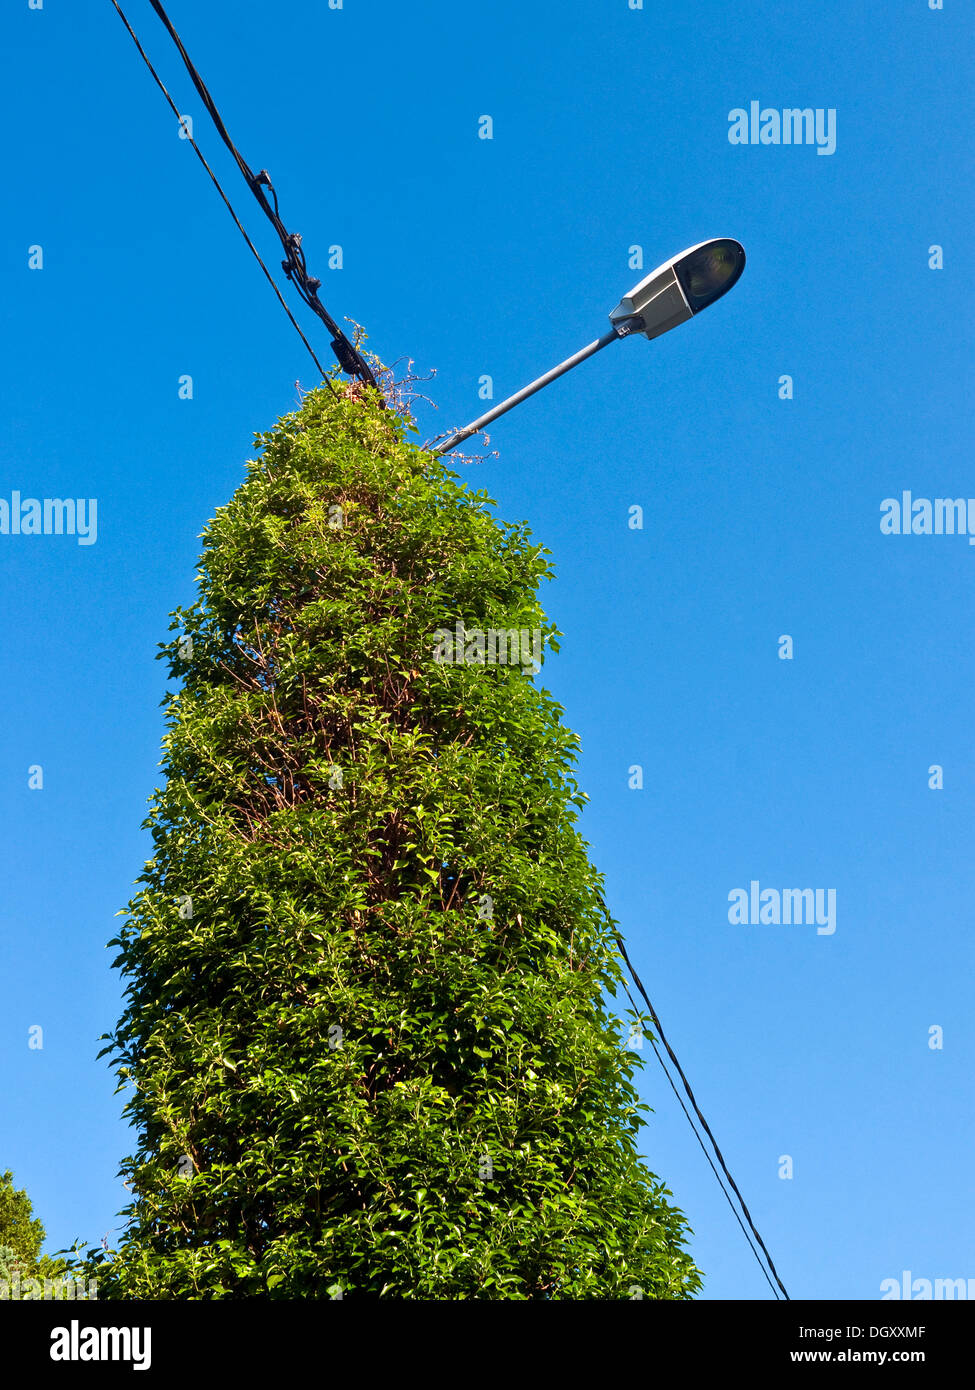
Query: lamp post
x=669, y=295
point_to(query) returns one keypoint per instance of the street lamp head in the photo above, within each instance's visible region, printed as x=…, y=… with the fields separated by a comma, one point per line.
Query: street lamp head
x=682, y=286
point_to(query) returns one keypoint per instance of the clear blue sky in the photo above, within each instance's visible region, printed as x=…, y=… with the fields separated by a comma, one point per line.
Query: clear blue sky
x=761, y=518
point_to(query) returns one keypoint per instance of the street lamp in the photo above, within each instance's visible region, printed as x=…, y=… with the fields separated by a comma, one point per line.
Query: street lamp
x=669, y=295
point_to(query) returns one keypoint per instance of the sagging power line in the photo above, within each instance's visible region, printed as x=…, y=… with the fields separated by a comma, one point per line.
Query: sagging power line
x=294, y=265
x=704, y=1124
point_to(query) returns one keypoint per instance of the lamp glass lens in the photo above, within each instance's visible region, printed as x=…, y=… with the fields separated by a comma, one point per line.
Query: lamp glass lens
x=709, y=272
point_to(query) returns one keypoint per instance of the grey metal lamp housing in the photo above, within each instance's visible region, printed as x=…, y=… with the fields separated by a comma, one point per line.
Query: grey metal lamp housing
x=682, y=286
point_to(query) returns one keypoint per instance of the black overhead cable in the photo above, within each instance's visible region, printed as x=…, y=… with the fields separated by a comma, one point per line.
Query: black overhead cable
x=690, y=1094
x=350, y=359
x=216, y=181
x=727, y=1197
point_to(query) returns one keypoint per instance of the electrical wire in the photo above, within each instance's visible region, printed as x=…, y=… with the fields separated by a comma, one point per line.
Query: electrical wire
x=697, y=1110
x=727, y=1196
x=162, y=87
x=294, y=266
x=349, y=358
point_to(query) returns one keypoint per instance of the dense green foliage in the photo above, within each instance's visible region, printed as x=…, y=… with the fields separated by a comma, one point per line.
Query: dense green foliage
x=21, y=1239
x=366, y=1024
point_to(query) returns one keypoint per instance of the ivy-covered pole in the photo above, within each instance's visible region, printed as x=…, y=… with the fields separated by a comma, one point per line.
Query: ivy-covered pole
x=367, y=1028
